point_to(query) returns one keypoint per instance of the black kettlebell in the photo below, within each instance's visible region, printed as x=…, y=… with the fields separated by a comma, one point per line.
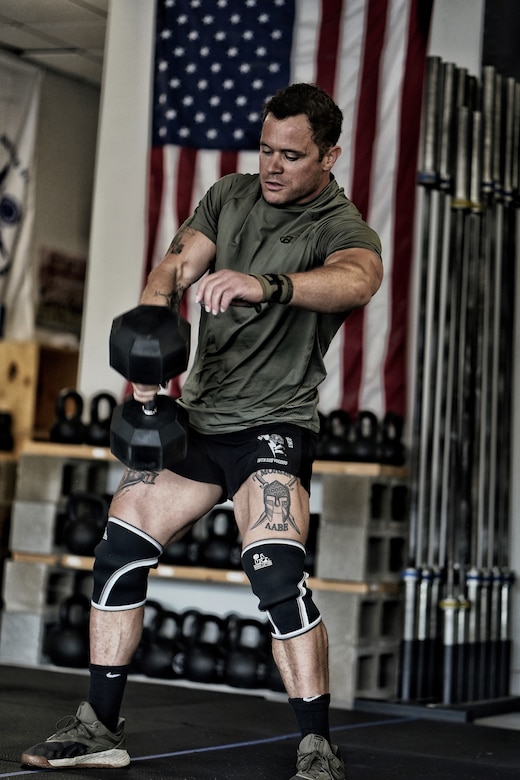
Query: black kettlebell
x=193, y=549
x=68, y=427
x=205, y=657
x=6, y=434
x=86, y=518
x=98, y=430
x=273, y=678
x=391, y=449
x=67, y=643
x=182, y=552
x=222, y=537
x=245, y=665
x=189, y=622
x=334, y=443
x=151, y=610
x=156, y=658
x=365, y=445
x=311, y=544
x=175, y=553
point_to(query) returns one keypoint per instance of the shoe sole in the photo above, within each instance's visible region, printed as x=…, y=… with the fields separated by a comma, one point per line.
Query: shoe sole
x=107, y=759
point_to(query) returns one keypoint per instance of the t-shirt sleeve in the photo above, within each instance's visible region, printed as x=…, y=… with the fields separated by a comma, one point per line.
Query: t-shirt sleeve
x=347, y=231
x=206, y=215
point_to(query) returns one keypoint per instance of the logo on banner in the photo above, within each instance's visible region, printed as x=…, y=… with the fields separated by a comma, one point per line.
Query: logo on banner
x=13, y=180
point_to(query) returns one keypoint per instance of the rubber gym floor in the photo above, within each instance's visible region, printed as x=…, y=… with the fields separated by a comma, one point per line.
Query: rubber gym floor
x=181, y=733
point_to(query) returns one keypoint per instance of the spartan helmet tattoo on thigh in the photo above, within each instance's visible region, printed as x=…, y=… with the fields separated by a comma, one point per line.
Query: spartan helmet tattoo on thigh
x=277, y=505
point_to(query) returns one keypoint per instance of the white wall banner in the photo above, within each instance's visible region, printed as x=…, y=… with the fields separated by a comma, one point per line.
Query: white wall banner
x=19, y=103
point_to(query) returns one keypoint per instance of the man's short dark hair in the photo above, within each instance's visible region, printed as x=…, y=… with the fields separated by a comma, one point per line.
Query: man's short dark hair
x=325, y=118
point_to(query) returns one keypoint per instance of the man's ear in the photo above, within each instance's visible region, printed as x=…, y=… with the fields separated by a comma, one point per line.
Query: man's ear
x=330, y=157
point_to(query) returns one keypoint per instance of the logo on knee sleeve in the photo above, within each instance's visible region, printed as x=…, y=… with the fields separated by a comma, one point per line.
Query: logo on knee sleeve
x=260, y=561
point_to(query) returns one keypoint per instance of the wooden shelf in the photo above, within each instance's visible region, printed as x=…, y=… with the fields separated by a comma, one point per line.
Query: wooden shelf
x=53, y=450
x=200, y=574
x=358, y=469
x=83, y=451
x=8, y=457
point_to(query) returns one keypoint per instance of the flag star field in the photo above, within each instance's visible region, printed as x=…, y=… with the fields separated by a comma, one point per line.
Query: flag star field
x=216, y=63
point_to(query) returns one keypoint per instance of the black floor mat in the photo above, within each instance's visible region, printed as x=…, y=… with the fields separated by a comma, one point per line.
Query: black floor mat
x=180, y=733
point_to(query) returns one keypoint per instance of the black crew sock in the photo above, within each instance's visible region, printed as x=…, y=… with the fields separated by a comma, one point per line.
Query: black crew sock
x=107, y=686
x=312, y=715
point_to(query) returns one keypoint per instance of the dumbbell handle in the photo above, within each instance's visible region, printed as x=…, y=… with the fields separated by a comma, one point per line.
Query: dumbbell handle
x=150, y=407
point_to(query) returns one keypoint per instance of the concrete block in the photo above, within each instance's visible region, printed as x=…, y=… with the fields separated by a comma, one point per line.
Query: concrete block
x=346, y=500
x=364, y=638
x=361, y=619
x=341, y=553
x=354, y=554
x=21, y=637
x=51, y=478
x=363, y=528
x=33, y=526
x=32, y=587
x=369, y=673
x=39, y=479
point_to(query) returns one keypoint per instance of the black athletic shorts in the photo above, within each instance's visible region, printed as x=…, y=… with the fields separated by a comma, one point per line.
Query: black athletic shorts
x=228, y=459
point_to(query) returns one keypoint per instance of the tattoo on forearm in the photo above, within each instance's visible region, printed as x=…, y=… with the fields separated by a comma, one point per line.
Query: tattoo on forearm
x=173, y=298
x=133, y=477
x=277, y=503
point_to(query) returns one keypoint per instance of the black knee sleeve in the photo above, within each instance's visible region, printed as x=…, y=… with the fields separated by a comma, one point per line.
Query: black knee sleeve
x=276, y=571
x=124, y=557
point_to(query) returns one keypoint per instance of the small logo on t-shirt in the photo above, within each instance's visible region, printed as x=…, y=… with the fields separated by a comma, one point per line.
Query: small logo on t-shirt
x=286, y=239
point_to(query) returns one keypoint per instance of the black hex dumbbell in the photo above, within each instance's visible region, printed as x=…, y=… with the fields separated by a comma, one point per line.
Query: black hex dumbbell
x=149, y=345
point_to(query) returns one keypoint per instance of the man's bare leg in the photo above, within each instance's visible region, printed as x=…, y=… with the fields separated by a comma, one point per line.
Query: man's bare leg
x=303, y=663
x=115, y=636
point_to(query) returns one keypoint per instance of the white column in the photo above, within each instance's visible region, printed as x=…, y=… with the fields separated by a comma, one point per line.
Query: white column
x=117, y=241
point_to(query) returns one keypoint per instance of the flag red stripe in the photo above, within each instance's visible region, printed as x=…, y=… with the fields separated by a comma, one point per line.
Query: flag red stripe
x=367, y=113
x=326, y=58
x=228, y=162
x=366, y=121
x=396, y=356
x=155, y=197
x=185, y=182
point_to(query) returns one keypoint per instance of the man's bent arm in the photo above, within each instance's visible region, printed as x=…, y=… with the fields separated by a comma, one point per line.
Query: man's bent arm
x=348, y=280
x=187, y=259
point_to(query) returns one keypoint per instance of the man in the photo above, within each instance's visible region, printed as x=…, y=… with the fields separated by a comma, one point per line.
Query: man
x=280, y=259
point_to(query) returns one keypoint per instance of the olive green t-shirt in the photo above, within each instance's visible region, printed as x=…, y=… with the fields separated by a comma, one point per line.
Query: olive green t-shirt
x=253, y=367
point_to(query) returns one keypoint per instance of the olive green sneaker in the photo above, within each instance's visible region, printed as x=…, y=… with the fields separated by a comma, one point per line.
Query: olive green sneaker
x=80, y=741
x=317, y=760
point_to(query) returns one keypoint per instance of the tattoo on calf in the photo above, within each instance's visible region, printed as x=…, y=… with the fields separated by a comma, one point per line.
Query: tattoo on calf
x=277, y=502
x=133, y=477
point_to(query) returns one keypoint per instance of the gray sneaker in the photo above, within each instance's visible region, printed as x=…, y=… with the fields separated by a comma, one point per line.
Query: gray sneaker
x=82, y=741
x=317, y=760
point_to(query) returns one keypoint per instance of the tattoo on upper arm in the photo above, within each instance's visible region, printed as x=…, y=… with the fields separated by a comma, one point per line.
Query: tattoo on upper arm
x=133, y=477
x=177, y=245
x=277, y=503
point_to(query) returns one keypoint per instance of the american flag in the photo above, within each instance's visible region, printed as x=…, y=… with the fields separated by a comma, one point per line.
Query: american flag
x=217, y=61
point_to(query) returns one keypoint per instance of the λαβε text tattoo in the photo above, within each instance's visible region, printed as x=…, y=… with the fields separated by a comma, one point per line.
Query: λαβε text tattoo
x=133, y=477
x=277, y=504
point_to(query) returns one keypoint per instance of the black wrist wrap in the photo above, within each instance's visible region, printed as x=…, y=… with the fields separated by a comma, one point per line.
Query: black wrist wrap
x=277, y=288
